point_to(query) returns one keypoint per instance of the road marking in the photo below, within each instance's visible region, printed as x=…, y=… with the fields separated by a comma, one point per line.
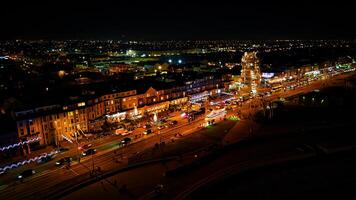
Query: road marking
x=74, y=172
x=45, y=172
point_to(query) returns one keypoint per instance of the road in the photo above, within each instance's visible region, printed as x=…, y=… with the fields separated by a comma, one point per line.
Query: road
x=240, y=158
x=110, y=156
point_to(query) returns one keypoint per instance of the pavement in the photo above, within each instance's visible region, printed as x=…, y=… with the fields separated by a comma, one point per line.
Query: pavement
x=111, y=157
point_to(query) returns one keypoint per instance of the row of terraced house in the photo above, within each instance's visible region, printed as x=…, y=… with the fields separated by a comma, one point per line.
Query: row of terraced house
x=54, y=123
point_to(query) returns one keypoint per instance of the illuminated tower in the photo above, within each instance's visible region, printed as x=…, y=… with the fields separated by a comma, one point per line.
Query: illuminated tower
x=250, y=72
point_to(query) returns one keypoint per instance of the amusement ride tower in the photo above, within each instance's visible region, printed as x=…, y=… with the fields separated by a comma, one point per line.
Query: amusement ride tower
x=250, y=72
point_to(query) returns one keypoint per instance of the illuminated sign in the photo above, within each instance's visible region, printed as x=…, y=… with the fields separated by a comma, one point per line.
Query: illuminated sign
x=267, y=75
x=315, y=73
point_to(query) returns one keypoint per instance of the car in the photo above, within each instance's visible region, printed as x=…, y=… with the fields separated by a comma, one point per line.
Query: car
x=44, y=159
x=148, y=131
x=173, y=123
x=85, y=146
x=89, y=152
x=2, y=172
x=126, y=141
x=25, y=174
x=106, y=133
x=63, y=149
x=63, y=161
x=158, y=188
x=126, y=133
x=161, y=127
x=121, y=131
x=147, y=126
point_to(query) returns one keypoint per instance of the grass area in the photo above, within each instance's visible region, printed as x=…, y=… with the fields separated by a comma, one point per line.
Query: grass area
x=197, y=140
x=218, y=131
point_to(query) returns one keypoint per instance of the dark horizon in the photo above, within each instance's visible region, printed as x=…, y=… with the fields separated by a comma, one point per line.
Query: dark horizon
x=177, y=20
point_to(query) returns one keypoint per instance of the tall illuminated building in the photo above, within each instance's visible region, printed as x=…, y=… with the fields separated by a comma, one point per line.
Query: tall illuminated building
x=250, y=72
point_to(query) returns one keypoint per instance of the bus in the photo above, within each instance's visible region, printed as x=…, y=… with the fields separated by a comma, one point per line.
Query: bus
x=215, y=116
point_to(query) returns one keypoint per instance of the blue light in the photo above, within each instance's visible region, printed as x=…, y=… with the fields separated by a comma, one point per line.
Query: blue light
x=19, y=144
x=18, y=164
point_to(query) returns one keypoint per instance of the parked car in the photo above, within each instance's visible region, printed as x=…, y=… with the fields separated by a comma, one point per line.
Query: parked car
x=26, y=173
x=44, y=159
x=173, y=123
x=89, y=152
x=64, y=160
x=2, y=172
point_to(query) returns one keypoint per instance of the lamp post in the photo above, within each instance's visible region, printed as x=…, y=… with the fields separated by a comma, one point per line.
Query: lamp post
x=57, y=135
x=76, y=141
x=155, y=119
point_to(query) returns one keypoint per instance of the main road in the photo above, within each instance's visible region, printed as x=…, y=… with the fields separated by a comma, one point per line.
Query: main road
x=111, y=156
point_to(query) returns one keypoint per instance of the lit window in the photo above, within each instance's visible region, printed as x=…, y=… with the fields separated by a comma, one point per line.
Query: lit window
x=123, y=99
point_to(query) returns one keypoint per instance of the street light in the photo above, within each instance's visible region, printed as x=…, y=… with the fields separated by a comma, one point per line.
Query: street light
x=57, y=135
x=76, y=141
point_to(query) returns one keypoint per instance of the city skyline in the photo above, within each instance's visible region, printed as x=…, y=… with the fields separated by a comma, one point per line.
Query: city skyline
x=177, y=100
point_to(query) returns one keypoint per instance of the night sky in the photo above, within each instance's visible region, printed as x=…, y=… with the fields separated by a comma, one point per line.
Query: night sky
x=78, y=19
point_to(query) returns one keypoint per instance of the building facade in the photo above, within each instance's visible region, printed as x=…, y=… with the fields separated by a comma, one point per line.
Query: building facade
x=54, y=123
